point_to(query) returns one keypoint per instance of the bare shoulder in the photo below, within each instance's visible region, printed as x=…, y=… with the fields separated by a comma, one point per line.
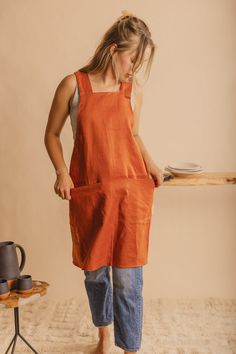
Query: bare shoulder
x=138, y=91
x=68, y=84
x=65, y=90
x=137, y=85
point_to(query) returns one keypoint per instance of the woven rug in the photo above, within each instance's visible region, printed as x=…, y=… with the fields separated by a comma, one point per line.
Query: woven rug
x=169, y=327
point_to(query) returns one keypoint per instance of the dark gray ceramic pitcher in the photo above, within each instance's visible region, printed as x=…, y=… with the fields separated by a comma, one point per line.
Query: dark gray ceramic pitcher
x=9, y=266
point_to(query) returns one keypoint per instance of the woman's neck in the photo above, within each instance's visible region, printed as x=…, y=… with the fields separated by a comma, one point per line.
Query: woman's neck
x=103, y=83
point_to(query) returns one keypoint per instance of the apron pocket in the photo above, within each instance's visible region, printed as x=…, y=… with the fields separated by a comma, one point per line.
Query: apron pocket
x=139, y=201
x=87, y=208
x=92, y=186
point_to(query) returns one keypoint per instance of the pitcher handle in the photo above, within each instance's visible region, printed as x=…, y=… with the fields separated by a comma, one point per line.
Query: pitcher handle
x=22, y=251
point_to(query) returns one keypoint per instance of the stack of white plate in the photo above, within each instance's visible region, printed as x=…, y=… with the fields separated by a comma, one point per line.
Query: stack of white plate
x=184, y=168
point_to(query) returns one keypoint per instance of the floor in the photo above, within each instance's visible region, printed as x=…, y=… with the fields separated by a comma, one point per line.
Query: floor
x=170, y=326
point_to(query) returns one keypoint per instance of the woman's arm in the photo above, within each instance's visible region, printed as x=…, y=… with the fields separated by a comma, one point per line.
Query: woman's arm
x=57, y=116
x=155, y=172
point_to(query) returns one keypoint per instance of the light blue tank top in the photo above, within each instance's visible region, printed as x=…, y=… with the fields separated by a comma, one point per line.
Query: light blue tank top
x=74, y=105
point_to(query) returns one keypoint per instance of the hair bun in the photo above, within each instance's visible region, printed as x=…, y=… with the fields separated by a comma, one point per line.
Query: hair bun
x=125, y=13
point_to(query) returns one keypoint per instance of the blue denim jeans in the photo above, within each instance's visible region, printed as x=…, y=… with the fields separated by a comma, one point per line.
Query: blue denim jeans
x=123, y=303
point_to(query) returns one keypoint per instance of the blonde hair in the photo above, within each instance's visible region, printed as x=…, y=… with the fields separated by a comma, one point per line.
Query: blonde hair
x=127, y=32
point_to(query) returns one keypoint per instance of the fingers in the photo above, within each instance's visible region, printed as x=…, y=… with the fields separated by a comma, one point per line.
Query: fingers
x=62, y=186
x=162, y=177
x=67, y=193
x=63, y=193
x=160, y=180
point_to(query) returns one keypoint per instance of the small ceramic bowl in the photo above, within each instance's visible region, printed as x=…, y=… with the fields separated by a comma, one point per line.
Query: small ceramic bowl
x=24, y=283
x=4, y=289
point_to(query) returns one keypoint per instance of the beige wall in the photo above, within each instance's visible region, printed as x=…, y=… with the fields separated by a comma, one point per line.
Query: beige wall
x=188, y=114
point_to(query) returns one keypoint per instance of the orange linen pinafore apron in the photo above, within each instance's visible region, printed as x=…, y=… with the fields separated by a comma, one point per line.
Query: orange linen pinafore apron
x=111, y=203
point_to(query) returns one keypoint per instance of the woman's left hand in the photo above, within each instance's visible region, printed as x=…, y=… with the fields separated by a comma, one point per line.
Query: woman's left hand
x=156, y=174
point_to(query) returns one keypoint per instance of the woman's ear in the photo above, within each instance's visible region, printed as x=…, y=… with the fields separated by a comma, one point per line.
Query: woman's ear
x=112, y=48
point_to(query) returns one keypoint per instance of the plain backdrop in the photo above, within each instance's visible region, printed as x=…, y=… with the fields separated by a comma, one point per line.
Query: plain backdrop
x=188, y=114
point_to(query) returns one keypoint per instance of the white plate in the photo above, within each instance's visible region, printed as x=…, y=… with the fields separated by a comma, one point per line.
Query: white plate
x=185, y=170
x=181, y=165
x=183, y=173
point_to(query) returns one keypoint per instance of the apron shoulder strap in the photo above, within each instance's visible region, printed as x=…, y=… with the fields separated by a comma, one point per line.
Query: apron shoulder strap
x=82, y=82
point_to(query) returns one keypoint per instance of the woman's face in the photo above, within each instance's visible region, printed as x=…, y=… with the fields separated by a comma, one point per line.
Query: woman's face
x=125, y=63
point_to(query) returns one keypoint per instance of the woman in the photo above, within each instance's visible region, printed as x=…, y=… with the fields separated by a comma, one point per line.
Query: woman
x=111, y=178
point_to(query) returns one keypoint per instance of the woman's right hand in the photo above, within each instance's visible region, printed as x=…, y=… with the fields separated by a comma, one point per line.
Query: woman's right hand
x=63, y=185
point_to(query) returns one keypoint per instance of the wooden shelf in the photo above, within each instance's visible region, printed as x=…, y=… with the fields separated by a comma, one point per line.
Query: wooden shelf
x=202, y=179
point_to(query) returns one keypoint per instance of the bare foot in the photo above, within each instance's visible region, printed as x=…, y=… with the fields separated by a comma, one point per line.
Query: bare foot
x=104, y=343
